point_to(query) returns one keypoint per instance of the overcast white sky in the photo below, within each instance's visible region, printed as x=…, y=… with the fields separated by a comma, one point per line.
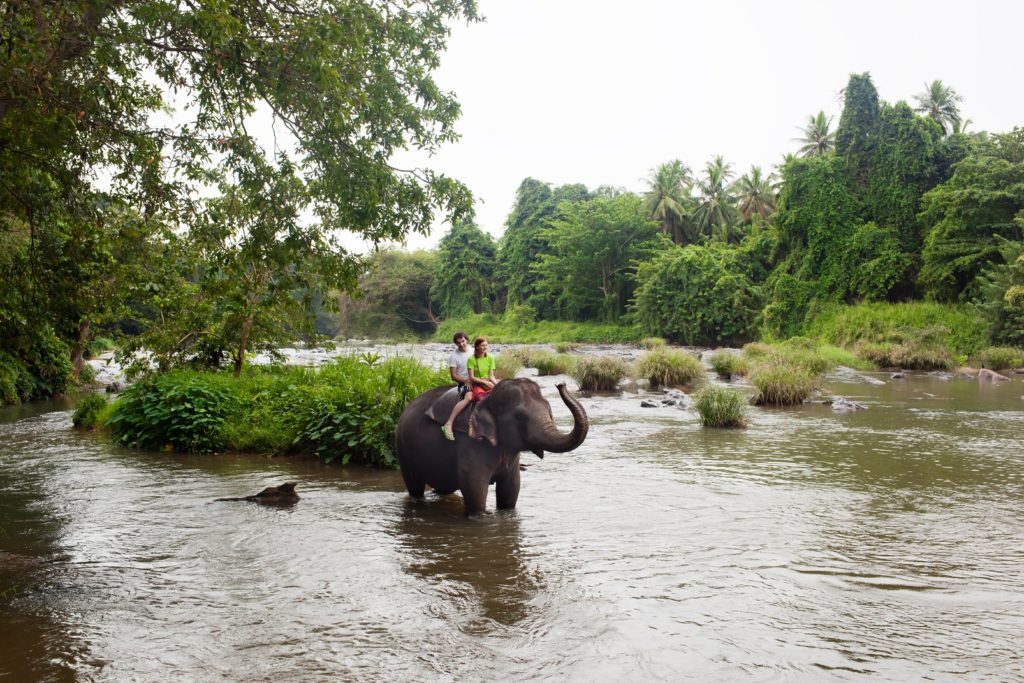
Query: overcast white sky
x=599, y=92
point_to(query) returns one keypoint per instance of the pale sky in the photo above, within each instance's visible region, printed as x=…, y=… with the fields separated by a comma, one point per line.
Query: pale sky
x=600, y=92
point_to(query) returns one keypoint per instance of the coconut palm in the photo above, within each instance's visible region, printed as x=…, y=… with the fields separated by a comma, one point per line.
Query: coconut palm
x=716, y=215
x=668, y=199
x=755, y=194
x=939, y=103
x=818, y=138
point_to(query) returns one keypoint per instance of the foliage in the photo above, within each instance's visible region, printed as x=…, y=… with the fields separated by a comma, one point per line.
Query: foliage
x=652, y=343
x=464, y=271
x=715, y=215
x=87, y=413
x=346, y=411
x=1001, y=357
x=966, y=215
x=721, y=407
x=726, y=364
x=964, y=331
x=670, y=367
x=599, y=373
x=781, y=384
x=755, y=195
x=565, y=347
x=1001, y=294
x=394, y=298
x=508, y=365
x=668, y=201
x=919, y=350
x=857, y=134
x=101, y=176
x=588, y=271
x=697, y=295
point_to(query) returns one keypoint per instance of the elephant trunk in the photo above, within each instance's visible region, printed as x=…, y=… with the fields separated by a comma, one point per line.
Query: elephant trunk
x=547, y=436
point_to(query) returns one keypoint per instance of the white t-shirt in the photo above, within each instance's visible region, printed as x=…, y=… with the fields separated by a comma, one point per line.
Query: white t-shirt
x=460, y=361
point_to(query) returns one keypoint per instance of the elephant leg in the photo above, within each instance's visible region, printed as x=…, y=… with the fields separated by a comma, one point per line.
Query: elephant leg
x=412, y=483
x=474, y=491
x=507, y=489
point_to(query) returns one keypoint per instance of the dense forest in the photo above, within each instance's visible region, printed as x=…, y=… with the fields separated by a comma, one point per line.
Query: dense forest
x=192, y=239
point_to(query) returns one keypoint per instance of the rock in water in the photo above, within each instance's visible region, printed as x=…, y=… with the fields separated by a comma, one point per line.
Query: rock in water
x=986, y=375
x=840, y=404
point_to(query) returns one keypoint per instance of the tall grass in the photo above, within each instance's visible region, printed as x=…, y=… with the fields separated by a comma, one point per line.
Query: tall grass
x=507, y=364
x=670, y=367
x=721, y=407
x=346, y=411
x=1000, y=357
x=601, y=373
x=552, y=363
x=726, y=364
x=782, y=384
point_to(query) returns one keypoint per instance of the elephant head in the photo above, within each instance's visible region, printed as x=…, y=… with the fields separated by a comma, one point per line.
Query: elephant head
x=516, y=416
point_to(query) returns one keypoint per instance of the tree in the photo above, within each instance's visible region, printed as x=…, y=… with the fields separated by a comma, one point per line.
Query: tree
x=817, y=137
x=393, y=297
x=755, y=195
x=857, y=137
x=589, y=269
x=668, y=200
x=965, y=216
x=715, y=215
x=939, y=103
x=464, y=271
x=346, y=83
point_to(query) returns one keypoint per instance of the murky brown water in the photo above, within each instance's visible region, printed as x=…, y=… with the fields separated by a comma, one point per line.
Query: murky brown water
x=885, y=544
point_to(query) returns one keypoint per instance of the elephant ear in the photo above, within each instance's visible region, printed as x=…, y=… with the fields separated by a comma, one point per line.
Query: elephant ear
x=482, y=425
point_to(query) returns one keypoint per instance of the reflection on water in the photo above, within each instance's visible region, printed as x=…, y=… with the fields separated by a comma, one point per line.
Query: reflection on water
x=812, y=545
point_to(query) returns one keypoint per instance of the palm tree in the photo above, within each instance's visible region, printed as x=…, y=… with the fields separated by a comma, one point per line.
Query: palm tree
x=755, y=194
x=818, y=139
x=938, y=102
x=668, y=198
x=716, y=215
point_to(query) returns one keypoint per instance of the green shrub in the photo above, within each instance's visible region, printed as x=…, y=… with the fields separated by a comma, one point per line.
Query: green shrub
x=781, y=385
x=1001, y=357
x=552, y=363
x=16, y=382
x=721, y=407
x=87, y=375
x=100, y=345
x=650, y=343
x=756, y=350
x=910, y=349
x=670, y=367
x=541, y=332
x=727, y=364
x=87, y=414
x=601, y=373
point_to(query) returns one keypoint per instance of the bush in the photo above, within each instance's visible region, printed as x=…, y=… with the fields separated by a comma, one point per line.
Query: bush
x=721, y=407
x=100, y=345
x=650, y=343
x=552, y=363
x=727, y=364
x=1001, y=357
x=781, y=385
x=670, y=367
x=501, y=331
x=601, y=373
x=346, y=411
x=911, y=349
x=87, y=414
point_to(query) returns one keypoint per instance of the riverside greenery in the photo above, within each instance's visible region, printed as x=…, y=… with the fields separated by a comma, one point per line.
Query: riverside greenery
x=344, y=412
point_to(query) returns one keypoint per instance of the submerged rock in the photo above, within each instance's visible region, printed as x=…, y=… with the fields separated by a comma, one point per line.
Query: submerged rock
x=647, y=403
x=845, y=374
x=986, y=375
x=898, y=375
x=840, y=404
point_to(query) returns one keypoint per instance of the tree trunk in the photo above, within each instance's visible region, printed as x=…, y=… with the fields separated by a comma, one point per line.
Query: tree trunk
x=246, y=326
x=78, y=350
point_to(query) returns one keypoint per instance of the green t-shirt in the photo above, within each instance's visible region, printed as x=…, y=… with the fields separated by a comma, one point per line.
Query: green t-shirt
x=482, y=366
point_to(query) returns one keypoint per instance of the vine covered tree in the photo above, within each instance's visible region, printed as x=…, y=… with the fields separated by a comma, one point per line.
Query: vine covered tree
x=464, y=271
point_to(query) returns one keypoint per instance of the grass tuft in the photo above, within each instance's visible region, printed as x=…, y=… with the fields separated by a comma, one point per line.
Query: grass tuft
x=1000, y=357
x=600, y=373
x=780, y=384
x=670, y=367
x=651, y=343
x=727, y=364
x=552, y=363
x=721, y=407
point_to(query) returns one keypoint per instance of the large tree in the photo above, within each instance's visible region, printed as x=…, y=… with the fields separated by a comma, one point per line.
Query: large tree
x=464, y=271
x=755, y=194
x=716, y=216
x=345, y=85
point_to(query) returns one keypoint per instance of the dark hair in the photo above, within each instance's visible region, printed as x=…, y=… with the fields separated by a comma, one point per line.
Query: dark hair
x=477, y=342
x=460, y=335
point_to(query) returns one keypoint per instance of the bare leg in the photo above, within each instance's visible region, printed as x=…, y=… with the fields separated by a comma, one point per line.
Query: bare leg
x=459, y=407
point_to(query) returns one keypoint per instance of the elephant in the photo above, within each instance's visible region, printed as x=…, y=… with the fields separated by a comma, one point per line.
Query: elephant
x=513, y=418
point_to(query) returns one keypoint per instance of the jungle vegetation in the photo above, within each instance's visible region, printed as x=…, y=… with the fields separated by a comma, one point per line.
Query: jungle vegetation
x=142, y=202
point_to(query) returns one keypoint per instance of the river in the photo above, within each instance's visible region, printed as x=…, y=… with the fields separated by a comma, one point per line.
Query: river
x=883, y=544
